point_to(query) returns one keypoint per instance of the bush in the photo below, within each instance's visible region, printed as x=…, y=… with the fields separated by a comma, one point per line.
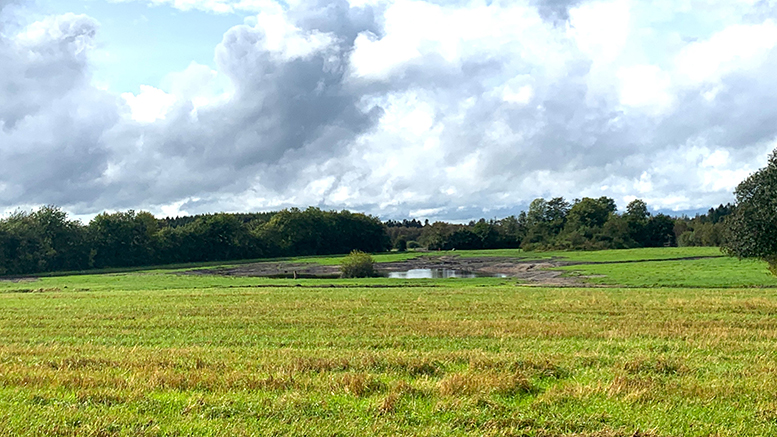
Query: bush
x=401, y=243
x=357, y=265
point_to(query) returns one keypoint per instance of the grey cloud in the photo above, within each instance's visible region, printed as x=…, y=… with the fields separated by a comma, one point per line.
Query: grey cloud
x=291, y=121
x=52, y=119
x=5, y=3
x=37, y=73
x=284, y=115
x=556, y=11
x=589, y=141
x=742, y=113
x=763, y=9
x=337, y=17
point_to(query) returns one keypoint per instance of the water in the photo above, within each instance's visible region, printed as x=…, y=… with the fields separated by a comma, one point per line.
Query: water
x=439, y=274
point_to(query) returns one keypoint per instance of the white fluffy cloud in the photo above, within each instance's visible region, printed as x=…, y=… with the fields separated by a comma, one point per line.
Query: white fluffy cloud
x=402, y=107
x=150, y=105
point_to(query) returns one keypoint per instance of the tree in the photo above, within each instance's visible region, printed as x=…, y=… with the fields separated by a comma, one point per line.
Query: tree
x=659, y=231
x=487, y=234
x=637, y=210
x=616, y=233
x=752, y=228
x=44, y=240
x=123, y=239
x=544, y=221
x=435, y=236
x=208, y=238
x=586, y=223
x=293, y=232
x=637, y=217
x=65, y=241
x=590, y=213
x=510, y=232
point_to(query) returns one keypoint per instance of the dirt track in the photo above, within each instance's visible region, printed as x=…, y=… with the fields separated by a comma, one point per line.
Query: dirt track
x=532, y=272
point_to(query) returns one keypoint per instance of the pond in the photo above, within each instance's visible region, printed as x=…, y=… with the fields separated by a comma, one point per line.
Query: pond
x=440, y=274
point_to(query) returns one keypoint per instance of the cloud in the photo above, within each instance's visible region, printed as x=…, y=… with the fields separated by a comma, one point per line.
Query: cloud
x=215, y=6
x=734, y=48
x=447, y=109
x=150, y=105
x=288, y=106
x=556, y=10
x=52, y=120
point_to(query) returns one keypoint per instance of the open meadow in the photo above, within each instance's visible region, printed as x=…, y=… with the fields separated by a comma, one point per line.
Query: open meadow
x=653, y=342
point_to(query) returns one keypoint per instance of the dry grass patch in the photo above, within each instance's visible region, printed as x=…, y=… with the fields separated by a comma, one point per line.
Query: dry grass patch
x=398, y=390
x=319, y=365
x=657, y=366
x=636, y=388
x=535, y=367
x=486, y=383
x=360, y=384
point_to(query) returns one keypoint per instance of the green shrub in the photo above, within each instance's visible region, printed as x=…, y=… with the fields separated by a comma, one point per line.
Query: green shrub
x=412, y=244
x=357, y=265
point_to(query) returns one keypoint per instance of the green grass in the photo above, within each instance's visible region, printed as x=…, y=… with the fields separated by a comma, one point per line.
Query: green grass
x=160, y=354
x=650, y=253
x=656, y=253
x=718, y=272
x=653, y=253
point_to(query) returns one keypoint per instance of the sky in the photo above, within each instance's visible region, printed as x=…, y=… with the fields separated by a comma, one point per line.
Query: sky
x=440, y=110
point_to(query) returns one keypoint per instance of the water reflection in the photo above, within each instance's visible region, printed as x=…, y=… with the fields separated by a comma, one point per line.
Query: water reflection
x=438, y=274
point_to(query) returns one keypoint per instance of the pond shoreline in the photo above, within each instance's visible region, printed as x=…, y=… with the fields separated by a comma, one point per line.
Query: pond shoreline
x=533, y=272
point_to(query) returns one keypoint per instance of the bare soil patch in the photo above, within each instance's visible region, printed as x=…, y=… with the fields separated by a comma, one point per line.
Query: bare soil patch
x=273, y=270
x=532, y=272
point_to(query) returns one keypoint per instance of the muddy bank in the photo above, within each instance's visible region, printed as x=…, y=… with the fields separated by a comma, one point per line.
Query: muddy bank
x=532, y=272
x=273, y=270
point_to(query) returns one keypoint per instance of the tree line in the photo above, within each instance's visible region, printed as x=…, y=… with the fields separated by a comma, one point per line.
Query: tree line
x=47, y=240
x=556, y=224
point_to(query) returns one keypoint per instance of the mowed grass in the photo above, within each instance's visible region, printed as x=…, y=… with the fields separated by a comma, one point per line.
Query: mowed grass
x=612, y=255
x=163, y=354
x=701, y=267
x=711, y=273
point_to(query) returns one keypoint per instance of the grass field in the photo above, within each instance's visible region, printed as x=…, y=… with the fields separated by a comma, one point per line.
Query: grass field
x=683, y=348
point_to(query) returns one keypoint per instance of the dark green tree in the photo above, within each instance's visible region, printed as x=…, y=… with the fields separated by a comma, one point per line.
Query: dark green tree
x=44, y=240
x=487, y=234
x=400, y=244
x=637, y=217
x=659, y=231
x=436, y=235
x=123, y=239
x=752, y=228
x=544, y=221
x=590, y=213
x=64, y=241
x=510, y=232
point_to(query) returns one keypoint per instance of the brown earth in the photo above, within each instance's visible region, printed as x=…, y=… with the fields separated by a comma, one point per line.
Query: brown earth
x=274, y=270
x=531, y=272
